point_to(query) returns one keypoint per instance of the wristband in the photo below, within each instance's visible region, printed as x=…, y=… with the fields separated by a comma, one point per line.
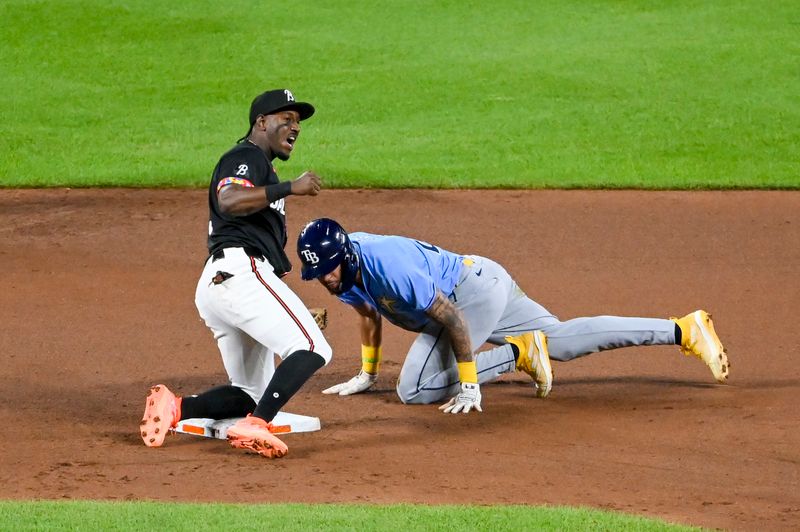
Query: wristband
x=468, y=372
x=370, y=359
x=278, y=191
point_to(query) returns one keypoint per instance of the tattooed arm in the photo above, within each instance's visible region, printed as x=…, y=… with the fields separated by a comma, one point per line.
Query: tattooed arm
x=444, y=312
x=452, y=319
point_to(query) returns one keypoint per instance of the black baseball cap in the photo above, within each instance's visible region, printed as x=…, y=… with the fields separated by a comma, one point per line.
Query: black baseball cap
x=277, y=100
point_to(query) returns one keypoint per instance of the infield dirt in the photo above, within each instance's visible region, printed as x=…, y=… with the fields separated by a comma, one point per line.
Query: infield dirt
x=98, y=289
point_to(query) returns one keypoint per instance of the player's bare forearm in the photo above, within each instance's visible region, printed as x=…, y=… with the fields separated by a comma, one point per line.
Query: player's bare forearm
x=236, y=200
x=370, y=326
x=451, y=318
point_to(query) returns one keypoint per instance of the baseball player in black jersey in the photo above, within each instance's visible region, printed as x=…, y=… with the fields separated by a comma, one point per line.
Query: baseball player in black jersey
x=251, y=312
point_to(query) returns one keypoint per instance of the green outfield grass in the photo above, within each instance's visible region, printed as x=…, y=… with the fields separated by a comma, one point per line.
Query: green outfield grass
x=448, y=93
x=297, y=517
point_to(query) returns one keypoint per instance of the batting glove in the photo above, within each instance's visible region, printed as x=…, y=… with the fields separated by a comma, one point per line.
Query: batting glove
x=360, y=383
x=469, y=398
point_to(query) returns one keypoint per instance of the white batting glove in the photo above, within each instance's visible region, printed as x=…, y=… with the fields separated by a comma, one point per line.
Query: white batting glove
x=469, y=398
x=360, y=383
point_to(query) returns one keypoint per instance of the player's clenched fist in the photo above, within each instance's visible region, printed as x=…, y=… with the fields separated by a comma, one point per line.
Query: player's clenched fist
x=308, y=184
x=360, y=383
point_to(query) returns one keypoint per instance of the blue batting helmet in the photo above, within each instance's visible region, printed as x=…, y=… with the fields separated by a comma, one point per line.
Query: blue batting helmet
x=323, y=245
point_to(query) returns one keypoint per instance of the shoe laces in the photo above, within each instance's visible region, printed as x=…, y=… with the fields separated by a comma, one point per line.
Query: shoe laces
x=258, y=422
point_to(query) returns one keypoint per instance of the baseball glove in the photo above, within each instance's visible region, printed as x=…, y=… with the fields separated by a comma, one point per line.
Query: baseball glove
x=320, y=316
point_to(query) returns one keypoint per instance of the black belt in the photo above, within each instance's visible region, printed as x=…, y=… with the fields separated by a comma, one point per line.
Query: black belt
x=250, y=252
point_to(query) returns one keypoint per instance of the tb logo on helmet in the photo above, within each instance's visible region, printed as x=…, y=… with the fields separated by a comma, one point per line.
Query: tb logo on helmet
x=323, y=245
x=310, y=256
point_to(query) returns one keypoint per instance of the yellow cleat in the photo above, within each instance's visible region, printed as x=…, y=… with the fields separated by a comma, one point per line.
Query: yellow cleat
x=699, y=338
x=534, y=359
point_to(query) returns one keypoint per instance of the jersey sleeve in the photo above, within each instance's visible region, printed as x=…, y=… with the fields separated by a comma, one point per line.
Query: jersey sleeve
x=240, y=168
x=353, y=297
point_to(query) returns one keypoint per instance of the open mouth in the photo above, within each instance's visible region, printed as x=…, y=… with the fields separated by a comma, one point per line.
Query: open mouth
x=290, y=140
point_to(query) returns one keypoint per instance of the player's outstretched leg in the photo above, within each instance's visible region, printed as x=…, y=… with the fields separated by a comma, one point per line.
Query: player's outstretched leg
x=534, y=359
x=162, y=411
x=699, y=338
x=255, y=434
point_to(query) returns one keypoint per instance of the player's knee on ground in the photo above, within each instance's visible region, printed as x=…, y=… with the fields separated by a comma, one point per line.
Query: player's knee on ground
x=407, y=396
x=410, y=394
x=561, y=357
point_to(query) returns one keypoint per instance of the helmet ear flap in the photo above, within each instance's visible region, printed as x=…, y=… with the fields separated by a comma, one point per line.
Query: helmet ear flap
x=350, y=266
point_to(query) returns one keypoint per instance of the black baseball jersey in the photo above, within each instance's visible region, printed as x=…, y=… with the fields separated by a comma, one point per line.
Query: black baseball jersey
x=247, y=165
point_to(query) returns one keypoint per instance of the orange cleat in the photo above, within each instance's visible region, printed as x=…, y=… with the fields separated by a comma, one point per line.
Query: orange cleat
x=255, y=434
x=162, y=411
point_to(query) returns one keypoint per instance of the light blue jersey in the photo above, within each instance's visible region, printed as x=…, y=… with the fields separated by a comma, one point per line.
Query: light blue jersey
x=401, y=277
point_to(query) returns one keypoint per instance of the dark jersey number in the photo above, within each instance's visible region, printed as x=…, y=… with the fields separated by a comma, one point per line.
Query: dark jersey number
x=429, y=247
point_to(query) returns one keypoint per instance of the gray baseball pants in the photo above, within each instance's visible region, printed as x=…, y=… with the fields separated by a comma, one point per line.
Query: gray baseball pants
x=495, y=307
